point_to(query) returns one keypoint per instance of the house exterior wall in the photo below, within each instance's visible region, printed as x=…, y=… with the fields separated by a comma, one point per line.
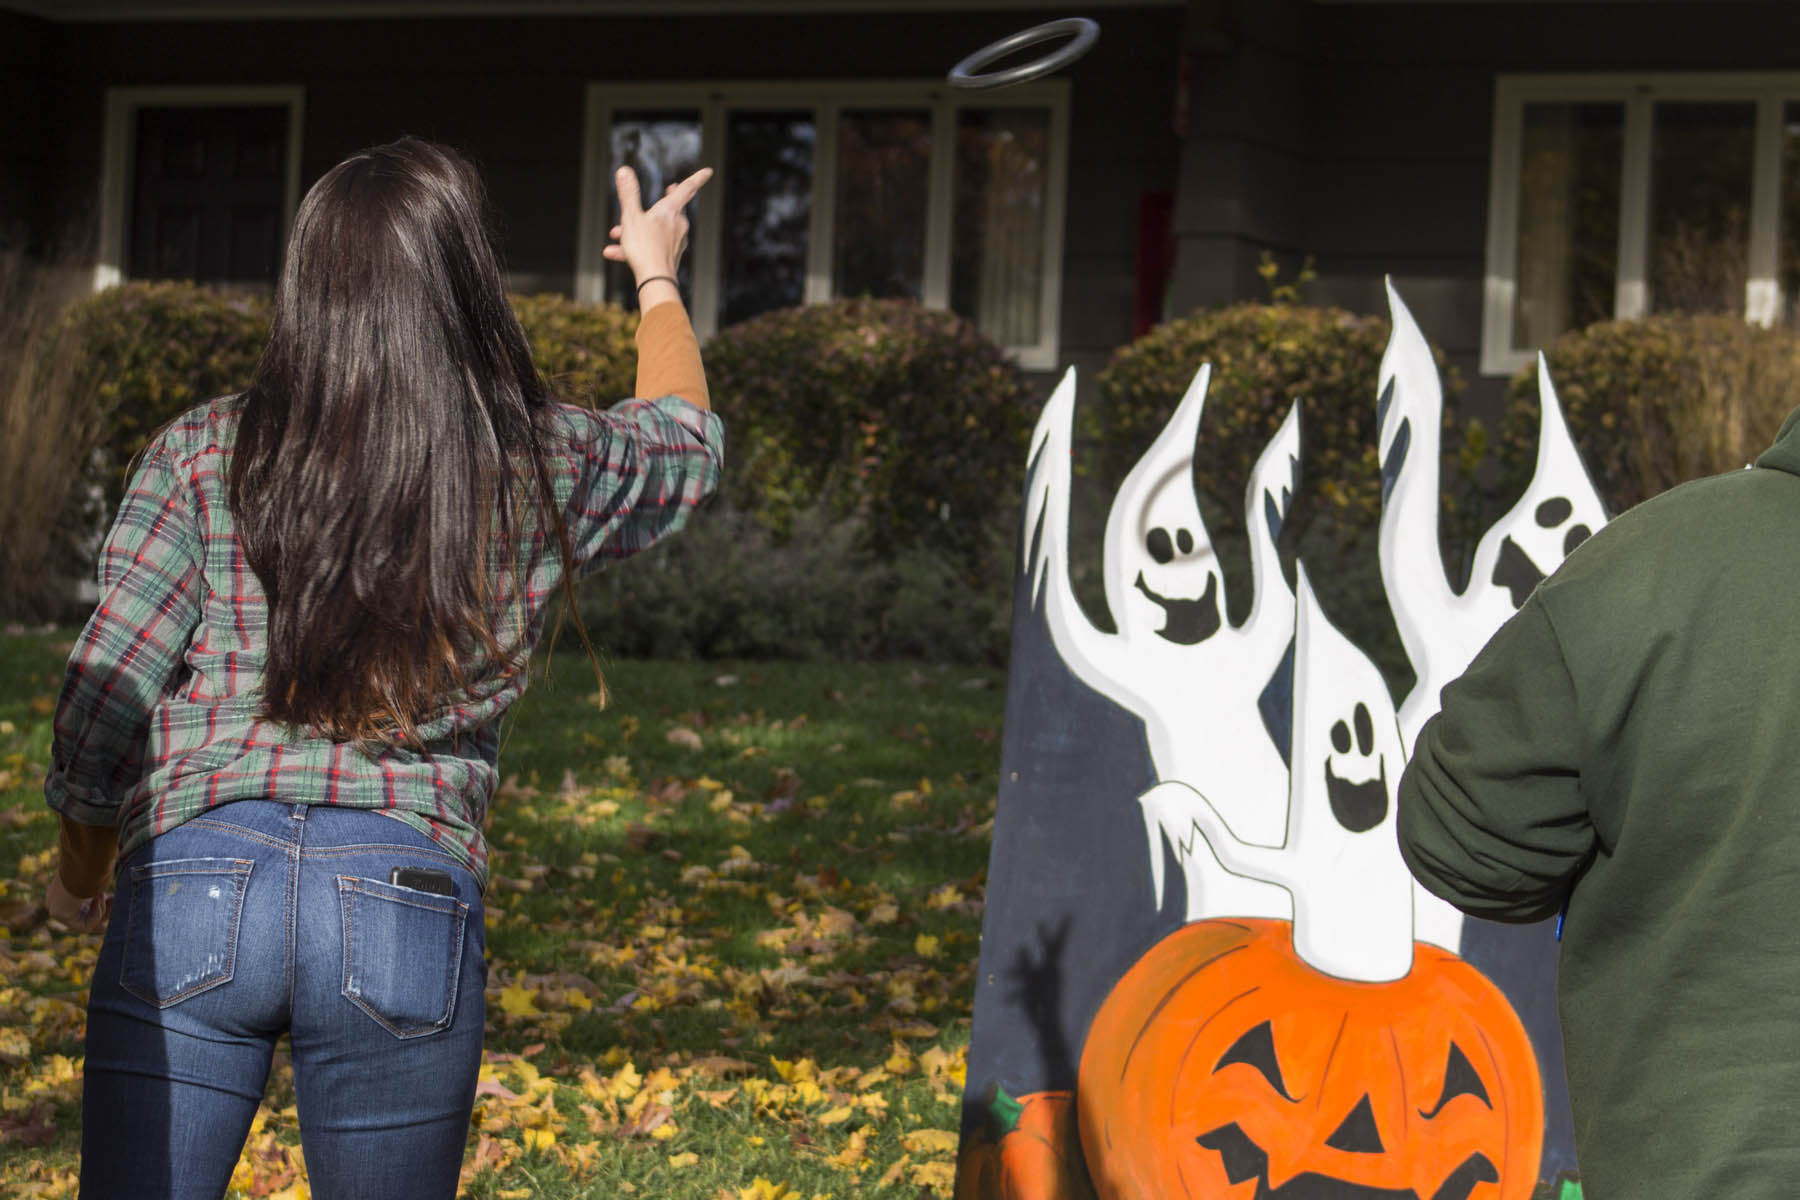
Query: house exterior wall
x=24, y=81
x=511, y=94
x=1400, y=100
x=1361, y=134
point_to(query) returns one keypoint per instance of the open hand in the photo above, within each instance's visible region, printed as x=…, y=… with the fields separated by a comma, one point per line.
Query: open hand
x=650, y=241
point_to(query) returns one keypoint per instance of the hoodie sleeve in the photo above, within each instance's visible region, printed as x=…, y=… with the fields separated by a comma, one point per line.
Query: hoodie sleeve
x=1492, y=816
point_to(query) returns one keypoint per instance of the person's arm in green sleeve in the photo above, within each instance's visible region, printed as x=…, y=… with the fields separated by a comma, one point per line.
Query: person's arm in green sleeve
x=1492, y=816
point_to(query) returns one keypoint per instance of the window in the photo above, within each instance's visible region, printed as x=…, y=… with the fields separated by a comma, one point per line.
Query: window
x=828, y=190
x=198, y=183
x=1619, y=197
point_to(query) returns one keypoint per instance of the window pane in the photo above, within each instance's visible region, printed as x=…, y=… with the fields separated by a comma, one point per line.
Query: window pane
x=1002, y=188
x=207, y=194
x=883, y=184
x=663, y=148
x=1567, y=271
x=1700, y=206
x=768, y=205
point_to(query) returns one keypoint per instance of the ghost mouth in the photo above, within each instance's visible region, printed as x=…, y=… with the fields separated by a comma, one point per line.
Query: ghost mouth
x=1514, y=571
x=1243, y=1159
x=1358, y=807
x=1186, y=622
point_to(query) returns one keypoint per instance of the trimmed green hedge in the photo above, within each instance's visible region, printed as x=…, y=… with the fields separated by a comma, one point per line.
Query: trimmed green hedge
x=902, y=417
x=587, y=352
x=144, y=352
x=875, y=458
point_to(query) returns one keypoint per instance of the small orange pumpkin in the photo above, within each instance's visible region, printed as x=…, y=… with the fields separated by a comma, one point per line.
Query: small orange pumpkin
x=1024, y=1149
x=1222, y=1058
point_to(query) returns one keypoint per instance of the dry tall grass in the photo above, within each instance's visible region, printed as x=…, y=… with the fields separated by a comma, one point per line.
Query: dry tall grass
x=47, y=431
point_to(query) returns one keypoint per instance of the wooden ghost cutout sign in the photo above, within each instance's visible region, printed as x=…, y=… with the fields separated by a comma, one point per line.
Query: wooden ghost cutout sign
x=1176, y=663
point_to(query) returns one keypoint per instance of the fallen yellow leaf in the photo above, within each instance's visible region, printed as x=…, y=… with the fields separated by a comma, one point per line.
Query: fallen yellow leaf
x=931, y=1141
x=519, y=1001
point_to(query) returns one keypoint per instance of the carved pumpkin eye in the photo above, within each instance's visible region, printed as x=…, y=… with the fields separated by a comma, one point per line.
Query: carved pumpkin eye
x=1256, y=1048
x=1460, y=1079
x=1358, y=1133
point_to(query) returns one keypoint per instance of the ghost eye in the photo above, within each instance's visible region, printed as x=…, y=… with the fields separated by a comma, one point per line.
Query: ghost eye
x=1365, y=728
x=1256, y=1048
x=1161, y=548
x=1184, y=541
x=1552, y=513
x=1460, y=1079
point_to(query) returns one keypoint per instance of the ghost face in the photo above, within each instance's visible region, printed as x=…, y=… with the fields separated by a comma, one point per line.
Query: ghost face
x=1552, y=534
x=1166, y=585
x=1356, y=781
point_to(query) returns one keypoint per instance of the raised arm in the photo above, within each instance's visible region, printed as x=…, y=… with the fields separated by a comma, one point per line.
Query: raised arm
x=644, y=464
x=651, y=242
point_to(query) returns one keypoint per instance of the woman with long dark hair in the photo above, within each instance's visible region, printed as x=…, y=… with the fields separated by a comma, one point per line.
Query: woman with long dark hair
x=317, y=600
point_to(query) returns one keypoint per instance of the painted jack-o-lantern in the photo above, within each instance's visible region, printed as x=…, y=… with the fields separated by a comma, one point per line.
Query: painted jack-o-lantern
x=1024, y=1149
x=1222, y=1066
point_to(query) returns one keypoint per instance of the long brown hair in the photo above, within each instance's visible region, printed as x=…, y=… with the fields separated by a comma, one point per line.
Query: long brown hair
x=385, y=451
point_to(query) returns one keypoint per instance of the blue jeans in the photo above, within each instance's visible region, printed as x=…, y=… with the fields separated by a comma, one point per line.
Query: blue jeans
x=260, y=919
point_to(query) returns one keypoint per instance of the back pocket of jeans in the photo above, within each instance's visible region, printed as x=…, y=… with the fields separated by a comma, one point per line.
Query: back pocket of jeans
x=403, y=953
x=181, y=938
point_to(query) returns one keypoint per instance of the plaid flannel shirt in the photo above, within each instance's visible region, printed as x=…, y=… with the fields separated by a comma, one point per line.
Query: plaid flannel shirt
x=158, y=716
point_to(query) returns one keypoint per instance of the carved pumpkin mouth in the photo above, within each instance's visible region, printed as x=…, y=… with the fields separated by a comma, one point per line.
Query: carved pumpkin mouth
x=1243, y=1159
x=1186, y=622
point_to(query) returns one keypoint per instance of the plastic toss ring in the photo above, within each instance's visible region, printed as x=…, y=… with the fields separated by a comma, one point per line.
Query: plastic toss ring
x=1085, y=32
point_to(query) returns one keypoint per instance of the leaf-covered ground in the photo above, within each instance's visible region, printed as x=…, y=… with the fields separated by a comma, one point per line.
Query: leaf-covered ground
x=732, y=933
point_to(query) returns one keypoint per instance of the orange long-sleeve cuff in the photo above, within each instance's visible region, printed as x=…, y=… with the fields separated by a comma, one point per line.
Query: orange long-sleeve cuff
x=87, y=854
x=669, y=356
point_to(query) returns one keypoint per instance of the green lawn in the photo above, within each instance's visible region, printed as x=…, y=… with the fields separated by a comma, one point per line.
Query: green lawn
x=732, y=933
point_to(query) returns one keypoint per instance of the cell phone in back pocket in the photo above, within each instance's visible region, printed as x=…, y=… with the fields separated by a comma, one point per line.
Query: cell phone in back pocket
x=422, y=879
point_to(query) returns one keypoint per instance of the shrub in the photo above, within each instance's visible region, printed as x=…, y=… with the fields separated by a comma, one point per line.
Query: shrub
x=729, y=587
x=1657, y=401
x=144, y=352
x=904, y=418
x=588, y=352
x=1264, y=357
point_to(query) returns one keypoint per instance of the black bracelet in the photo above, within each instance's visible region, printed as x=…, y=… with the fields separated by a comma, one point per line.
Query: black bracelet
x=654, y=278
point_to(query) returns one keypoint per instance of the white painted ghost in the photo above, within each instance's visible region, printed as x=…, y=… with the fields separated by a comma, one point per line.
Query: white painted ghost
x=1352, y=894
x=1197, y=682
x=1442, y=629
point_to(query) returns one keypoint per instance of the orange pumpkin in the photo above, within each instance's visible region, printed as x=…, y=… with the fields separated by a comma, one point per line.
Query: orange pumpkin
x=1222, y=1066
x=1024, y=1149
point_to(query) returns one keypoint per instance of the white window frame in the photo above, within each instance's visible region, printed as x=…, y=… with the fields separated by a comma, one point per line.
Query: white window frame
x=119, y=153
x=1637, y=94
x=824, y=99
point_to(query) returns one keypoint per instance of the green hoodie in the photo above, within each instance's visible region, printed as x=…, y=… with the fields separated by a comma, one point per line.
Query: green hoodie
x=1628, y=744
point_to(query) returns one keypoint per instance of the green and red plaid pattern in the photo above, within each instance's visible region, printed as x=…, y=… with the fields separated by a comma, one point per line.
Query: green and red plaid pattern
x=158, y=717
